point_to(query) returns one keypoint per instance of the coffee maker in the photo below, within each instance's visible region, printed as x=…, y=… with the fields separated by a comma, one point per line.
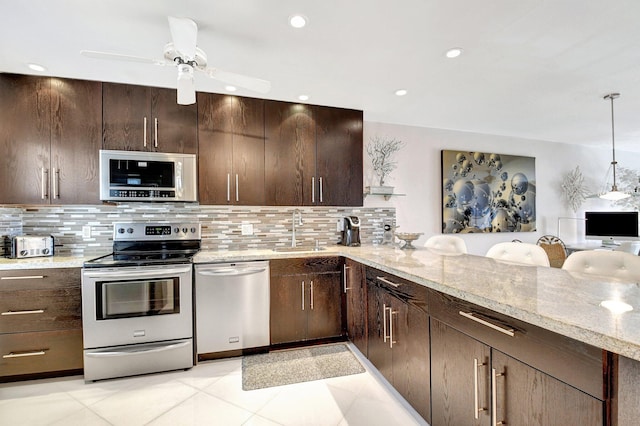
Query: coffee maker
x=350, y=231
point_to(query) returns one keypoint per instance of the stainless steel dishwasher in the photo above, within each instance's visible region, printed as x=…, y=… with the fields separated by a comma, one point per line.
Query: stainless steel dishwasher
x=232, y=306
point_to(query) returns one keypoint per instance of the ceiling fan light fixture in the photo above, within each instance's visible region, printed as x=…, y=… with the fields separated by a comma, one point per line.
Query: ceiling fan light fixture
x=614, y=194
x=186, y=85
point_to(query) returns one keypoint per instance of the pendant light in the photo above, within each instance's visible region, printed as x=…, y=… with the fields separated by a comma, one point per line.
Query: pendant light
x=614, y=194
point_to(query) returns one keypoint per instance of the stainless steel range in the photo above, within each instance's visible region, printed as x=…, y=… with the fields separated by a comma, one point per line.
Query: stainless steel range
x=137, y=312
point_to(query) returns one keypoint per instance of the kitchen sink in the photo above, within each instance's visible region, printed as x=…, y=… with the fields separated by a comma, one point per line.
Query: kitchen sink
x=297, y=249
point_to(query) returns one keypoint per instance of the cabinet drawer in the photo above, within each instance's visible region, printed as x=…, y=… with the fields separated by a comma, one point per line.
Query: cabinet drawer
x=39, y=279
x=578, y=364
x=405, y=290
x=305, y=265
x=40, y=310
x=41, y=352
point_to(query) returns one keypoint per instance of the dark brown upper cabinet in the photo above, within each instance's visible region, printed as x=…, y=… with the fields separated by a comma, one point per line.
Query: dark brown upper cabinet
x=50, y=137
x=141, y=118
x=231, y=149
x=313, y=155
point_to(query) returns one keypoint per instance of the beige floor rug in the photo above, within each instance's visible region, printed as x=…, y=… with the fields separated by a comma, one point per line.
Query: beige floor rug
x=298, y=365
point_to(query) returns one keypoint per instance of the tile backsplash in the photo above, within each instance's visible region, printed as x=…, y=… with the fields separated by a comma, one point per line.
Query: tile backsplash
x=221, y=225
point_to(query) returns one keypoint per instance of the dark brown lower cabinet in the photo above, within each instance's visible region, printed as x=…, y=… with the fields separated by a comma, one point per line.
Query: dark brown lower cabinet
x=475, y=384
x=355, y=289
x=306, y=299
x=398, y=336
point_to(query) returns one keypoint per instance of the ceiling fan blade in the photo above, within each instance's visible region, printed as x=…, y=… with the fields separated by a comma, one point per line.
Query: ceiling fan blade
x=119, y=57
x=251, y=83
x=186, y=85
x=184, y=33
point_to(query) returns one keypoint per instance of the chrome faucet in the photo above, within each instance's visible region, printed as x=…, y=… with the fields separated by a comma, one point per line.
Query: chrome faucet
x=293, y=220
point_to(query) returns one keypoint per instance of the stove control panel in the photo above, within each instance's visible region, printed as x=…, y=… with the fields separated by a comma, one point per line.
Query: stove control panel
x=147, y=231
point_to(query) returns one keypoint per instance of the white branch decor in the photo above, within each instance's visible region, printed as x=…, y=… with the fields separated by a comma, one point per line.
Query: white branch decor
x=574, y=189
x=381, y=151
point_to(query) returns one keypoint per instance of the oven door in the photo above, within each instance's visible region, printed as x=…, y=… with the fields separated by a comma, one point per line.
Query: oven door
x=129, y=305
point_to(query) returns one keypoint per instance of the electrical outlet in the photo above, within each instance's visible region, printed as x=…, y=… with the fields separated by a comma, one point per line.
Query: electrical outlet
x=247, y=229
x=86, y=231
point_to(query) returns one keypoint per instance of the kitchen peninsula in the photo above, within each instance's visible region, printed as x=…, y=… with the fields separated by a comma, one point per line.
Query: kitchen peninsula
x=554, y=323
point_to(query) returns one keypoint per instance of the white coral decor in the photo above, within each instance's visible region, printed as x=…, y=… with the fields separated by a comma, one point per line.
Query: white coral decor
x=574, y=189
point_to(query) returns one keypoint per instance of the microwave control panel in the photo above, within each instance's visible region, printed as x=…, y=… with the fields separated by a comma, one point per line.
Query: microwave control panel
x=141, y=193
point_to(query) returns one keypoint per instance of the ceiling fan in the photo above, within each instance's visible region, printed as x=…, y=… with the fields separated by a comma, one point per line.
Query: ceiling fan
x=183, y=52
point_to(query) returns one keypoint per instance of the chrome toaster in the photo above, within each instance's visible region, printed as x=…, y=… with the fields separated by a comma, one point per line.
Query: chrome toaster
x=31, y=246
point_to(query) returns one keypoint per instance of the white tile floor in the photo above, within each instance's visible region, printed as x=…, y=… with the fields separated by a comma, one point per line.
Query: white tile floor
x=208, y=394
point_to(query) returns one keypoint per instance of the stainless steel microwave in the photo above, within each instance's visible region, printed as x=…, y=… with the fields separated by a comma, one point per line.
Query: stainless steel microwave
x=147, y=176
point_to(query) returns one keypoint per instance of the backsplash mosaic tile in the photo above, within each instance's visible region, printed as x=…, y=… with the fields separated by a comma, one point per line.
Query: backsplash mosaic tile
x=221, y=225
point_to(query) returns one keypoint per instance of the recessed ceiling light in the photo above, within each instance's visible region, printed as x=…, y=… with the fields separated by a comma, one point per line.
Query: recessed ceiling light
x=303, y=97
x=36, y=67
x=230, y=88
x=453, y=53
x=401, y=92
x=298, y=21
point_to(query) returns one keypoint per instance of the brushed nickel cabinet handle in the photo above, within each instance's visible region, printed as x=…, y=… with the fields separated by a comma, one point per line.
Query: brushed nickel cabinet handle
x=302, y=287
x=237, y=190
x=311, y=295
x=23, y=354
x=471, y=316
x=391, y=314
x=23, y=277
x=344, y=277
x=34, y=311
x=144, y=132
x=320, y=182
x=155, y=135
x=386, y=281
x=228, y=187
x=384, y=322
x=44, y=180
x=476, y=404
x=494, y=398
x=55, y=183
x=313, y=189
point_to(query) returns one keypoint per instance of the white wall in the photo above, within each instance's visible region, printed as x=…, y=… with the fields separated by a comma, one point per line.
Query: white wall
x=419, y=177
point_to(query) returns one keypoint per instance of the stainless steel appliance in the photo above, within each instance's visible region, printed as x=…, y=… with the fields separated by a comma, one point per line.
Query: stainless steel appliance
x=147, y=176
x=350, y=231
x=232, y=306
x=137, y=303
x=23, y=246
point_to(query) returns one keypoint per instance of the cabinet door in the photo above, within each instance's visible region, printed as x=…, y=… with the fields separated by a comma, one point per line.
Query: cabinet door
x=25, y=133
x=379, y=351
x=460, y=372
x=215, y=147
x=355, y=289
x=76, y=126
x=174, y=128
x=126, y=113
x=289, y=301
x=324, y=315
x=525, y=395
x=290, y=144
x=248, y=151
x=410, y=351
x=339, y=156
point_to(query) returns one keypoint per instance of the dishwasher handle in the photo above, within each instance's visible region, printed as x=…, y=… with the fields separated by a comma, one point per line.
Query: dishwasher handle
x=228, y=272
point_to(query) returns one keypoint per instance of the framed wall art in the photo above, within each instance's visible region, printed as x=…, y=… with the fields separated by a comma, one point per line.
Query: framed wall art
x=487, y=192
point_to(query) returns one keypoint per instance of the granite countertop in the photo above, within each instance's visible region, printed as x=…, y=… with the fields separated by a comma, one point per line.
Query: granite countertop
x=44, y=262
x=563, y=302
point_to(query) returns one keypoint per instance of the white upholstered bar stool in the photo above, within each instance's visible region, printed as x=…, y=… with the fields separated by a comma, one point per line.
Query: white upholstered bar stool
x=614, y=264
x=446, y=244
x=525, y=253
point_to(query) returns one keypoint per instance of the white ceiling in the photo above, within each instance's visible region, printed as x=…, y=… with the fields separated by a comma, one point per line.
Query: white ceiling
x=531, y=68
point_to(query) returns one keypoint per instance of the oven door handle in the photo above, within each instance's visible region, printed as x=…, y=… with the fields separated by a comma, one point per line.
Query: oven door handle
x=146, y=273
x=134, y=351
